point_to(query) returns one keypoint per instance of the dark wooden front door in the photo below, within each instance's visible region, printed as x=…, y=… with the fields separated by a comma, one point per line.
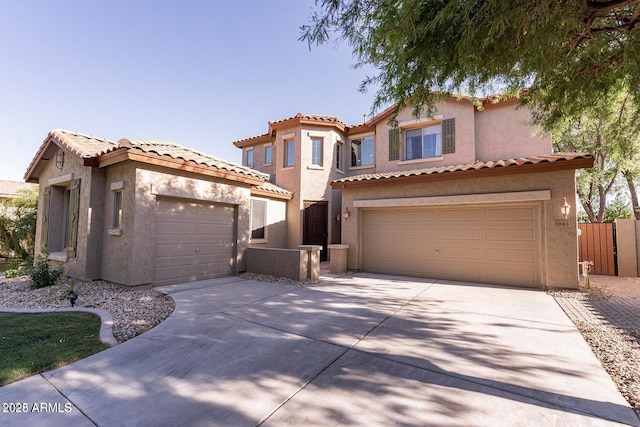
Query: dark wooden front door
x=315, y=231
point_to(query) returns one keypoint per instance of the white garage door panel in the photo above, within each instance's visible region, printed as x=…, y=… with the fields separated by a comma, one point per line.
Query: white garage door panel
x=193, y=241
x=493, y=244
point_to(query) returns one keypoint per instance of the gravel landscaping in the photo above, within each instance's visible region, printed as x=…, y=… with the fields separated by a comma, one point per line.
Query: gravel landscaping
x=133, y=311
x=596, y=314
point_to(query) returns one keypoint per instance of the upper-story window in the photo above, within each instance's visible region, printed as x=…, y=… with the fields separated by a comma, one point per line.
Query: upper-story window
x=289, y=153
x=423, y=143
x=427, y=142
x=267, y=155
x=250, y=158
x=362, y=151
x=316, y=151
x=339, y=156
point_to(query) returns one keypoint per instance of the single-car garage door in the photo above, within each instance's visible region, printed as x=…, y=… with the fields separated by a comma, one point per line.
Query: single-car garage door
x=490, y=244
x=193, y=241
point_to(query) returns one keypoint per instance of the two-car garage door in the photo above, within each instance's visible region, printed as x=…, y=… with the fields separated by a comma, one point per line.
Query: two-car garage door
x=490, y=244
x=193, y=241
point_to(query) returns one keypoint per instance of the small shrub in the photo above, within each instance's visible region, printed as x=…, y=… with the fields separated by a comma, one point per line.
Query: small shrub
x=42, y=274
x=14, y=272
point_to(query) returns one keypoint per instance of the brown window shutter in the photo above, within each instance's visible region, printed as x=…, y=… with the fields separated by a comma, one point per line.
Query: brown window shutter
x=394, y=144
x=72, y=219
x=44, y=230
x=449, y=136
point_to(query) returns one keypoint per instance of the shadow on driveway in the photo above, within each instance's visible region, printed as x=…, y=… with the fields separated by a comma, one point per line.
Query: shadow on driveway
x=360, y=350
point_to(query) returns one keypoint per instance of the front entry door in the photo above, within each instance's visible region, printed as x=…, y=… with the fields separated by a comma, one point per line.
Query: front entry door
x=315, y=226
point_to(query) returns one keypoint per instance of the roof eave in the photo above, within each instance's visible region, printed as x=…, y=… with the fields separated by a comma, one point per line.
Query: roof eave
x=260, y=139
x=580, y=163
x=258, y=192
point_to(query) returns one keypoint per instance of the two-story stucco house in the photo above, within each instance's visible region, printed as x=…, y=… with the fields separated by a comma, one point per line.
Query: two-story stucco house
x=467, y=193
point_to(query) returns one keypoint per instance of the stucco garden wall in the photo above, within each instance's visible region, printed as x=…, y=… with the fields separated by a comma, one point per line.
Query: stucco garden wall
x=559, y=243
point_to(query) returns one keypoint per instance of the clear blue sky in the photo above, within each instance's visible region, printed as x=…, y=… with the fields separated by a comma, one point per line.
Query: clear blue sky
x=198, y=73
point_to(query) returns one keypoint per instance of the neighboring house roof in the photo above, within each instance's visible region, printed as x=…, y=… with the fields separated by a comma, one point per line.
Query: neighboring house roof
x=556, y=161
x=100, y=152
x=11, y=189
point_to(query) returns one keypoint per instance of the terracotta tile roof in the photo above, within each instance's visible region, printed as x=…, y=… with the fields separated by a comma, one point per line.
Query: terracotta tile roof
x=299, y=118
x=272, y=188
x=258, y=139
x=85, y=146
x=10, y=189
x=175, y=151
x=497, y=165
x=311, y=118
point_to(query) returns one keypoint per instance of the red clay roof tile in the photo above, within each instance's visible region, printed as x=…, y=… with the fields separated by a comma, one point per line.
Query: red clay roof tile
x=475, y=166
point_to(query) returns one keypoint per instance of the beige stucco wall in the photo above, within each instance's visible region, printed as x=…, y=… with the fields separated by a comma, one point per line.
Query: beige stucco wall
x=462, y=111
x=86, y=263
x=117, y=260
x=504, y=132
x=307, y=182
x=559, y=243
x=151, y=182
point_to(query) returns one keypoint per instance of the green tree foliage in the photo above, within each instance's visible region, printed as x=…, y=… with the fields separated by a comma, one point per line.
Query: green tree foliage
x=617, y=209
x=566, y=52
x=608, y=130
x=18, y=224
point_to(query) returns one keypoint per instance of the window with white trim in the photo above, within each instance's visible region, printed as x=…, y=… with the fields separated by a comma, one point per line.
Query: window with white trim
x=362, y=151
x=267, y=155
x=250, y=157
x=289, y=152
x=423, y=143
x=117, y=209
x=316, y=151
x=339, y=156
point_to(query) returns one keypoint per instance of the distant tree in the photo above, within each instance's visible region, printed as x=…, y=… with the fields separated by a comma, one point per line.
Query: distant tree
x=566, y=52
x=608, y=130
x=617, y=209
x=18, y=223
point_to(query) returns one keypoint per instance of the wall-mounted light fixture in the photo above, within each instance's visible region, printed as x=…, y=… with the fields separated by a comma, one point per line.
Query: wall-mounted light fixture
x=346, y=213
x=60, y=159
x=565, y=209
x=338, y=218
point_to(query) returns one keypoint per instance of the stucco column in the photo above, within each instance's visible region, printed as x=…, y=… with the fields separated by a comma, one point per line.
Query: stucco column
x=313, y=252
x=338, y=258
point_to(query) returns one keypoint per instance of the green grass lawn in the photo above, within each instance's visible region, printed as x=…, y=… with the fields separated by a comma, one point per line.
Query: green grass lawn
x=36, y=342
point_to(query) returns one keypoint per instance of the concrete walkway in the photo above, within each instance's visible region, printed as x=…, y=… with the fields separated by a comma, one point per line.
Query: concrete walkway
x=354, y=350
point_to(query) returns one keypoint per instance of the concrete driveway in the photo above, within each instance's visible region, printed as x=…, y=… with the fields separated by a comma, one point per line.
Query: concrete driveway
x=356, y=350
